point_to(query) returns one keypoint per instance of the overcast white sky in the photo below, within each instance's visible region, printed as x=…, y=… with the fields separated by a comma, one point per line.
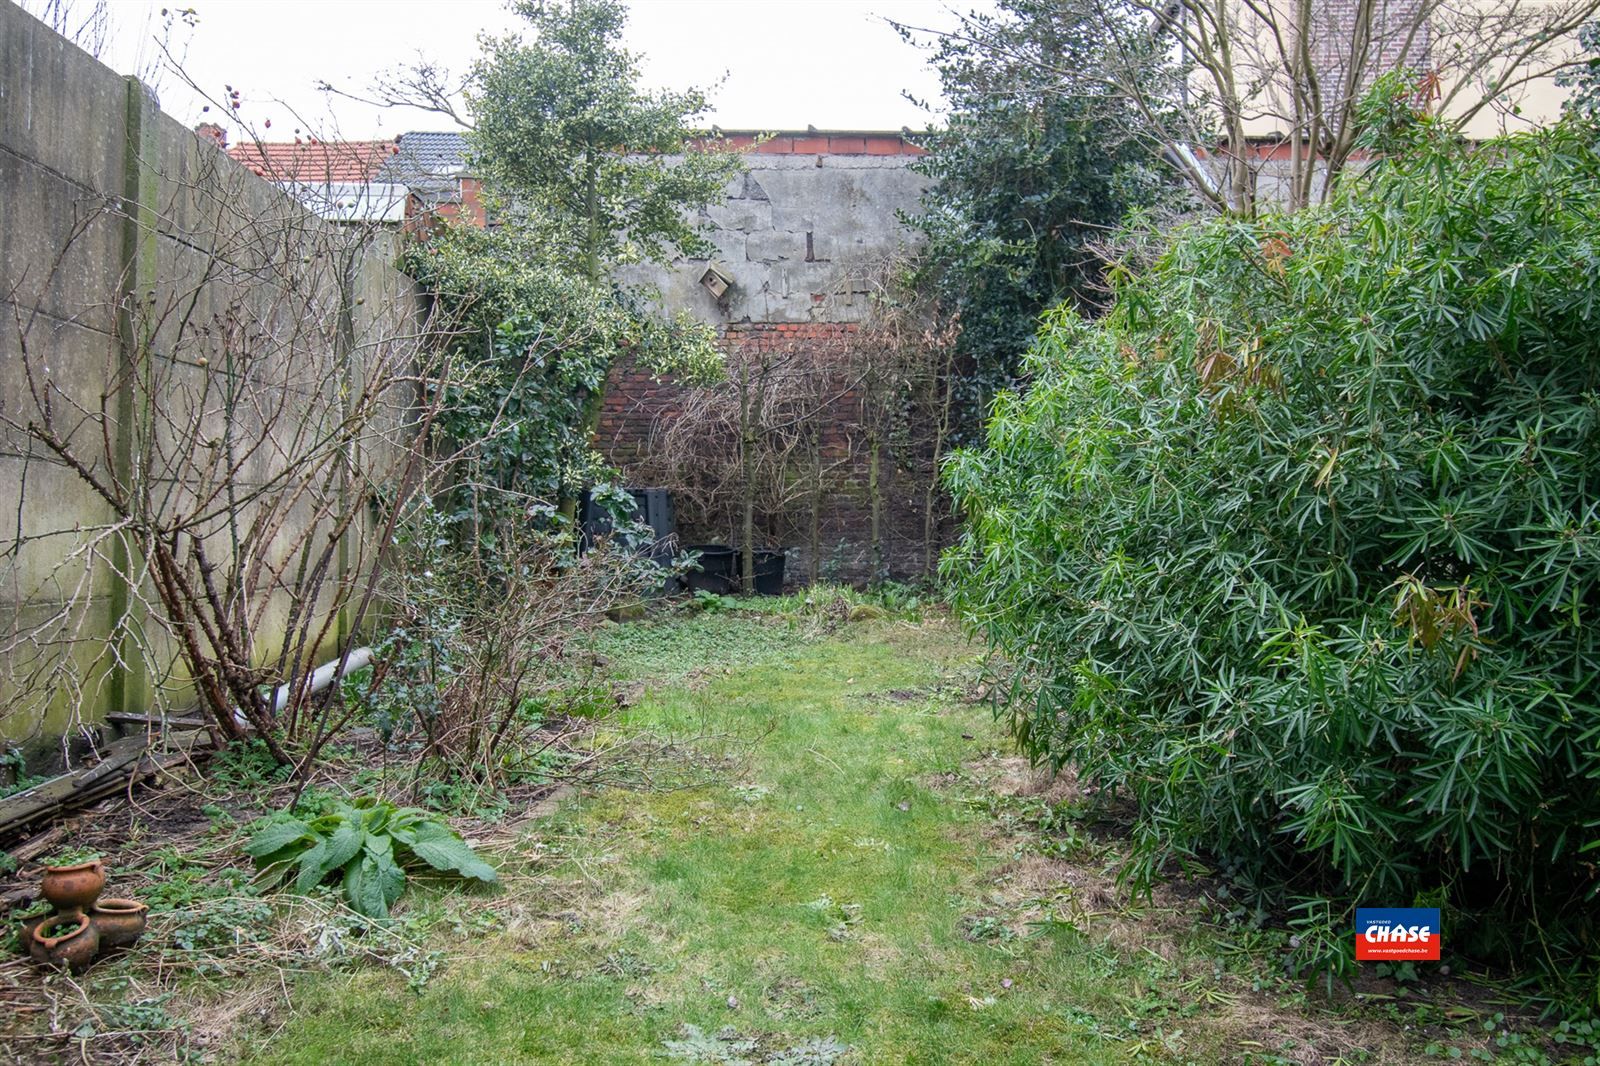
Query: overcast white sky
x=788, y=63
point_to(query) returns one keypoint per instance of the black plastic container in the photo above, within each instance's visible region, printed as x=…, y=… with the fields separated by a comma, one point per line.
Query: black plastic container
x=652, y=507
x=769, y=572
x=719, y=569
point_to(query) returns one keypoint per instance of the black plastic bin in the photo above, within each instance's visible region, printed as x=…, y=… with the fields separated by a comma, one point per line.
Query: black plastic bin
x=719, y=569
x=653, y=507
x=769, y=572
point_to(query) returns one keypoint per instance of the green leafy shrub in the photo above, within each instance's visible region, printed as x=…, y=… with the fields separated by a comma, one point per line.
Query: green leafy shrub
x=14, y=776
x=367, y=845
x=1300, y=546
x=533, y=346
x=712, y=602
x=1037, y=159
x=71, y=856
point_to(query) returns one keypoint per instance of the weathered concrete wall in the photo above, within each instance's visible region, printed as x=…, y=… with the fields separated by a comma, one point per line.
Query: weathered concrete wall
x=810, y=209
x=120, y=229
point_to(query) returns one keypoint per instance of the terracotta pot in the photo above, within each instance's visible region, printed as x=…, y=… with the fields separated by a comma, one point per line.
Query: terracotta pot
x=120, y=921
x=72, y=888
x=66, y=940
x=26, y=928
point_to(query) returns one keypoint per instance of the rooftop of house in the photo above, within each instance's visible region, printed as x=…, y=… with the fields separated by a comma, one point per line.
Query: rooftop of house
x=429, y=164
x=314, y=161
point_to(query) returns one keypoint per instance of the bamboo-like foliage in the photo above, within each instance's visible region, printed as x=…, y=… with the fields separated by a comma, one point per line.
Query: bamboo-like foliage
x=1300, y=547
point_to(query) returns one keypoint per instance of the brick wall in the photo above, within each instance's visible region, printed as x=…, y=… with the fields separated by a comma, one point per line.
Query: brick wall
x=853, y=142
x=639, y=408
x=1393, y=43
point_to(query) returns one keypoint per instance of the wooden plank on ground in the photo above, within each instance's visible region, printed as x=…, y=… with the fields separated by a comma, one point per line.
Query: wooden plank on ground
x=125, y=760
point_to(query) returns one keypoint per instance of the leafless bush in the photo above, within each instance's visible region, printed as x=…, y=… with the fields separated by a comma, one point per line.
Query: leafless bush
x=481, y=639
x=903, y=360
x=221, y=473
x=749, y=450
x=763, y=452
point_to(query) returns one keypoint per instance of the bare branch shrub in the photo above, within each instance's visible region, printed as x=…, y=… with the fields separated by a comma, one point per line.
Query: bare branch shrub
x=902, y=358
x=481, y=641
x=220, y=472
x=762, y=453
x=744, y=452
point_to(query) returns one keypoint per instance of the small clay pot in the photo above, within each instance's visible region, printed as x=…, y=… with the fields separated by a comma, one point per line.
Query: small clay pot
x=65, y=940
x=120, y=922
x=26, y=928
x=73, y=888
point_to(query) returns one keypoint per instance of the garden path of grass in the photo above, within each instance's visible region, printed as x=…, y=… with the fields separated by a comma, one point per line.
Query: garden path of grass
x=841, y=881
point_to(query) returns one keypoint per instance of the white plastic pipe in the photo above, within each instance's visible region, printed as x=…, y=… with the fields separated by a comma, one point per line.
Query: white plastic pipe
x=321, y=678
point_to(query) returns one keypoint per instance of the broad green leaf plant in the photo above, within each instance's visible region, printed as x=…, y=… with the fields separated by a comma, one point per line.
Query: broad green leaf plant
x=366, y=846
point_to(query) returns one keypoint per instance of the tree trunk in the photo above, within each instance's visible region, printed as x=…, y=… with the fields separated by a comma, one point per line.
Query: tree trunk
x=594, y=402
x=941, y=430
x=875, y=495
x=816, y=517
x=591, y=207
x=747, y=475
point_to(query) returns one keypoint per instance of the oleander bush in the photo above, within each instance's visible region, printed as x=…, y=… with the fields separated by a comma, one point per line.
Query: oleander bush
x=1299, y=548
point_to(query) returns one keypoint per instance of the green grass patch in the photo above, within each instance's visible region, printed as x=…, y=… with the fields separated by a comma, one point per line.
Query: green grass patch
x=677, y=646
x=848, y=891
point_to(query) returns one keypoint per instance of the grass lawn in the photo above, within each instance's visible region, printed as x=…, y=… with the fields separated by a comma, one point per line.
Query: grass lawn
x=855, y=871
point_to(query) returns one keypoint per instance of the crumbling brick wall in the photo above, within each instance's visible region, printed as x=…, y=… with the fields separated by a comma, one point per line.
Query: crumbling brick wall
x=638, y=406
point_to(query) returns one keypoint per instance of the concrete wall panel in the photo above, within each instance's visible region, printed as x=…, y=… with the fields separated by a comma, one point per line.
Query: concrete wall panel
x=58, y=105
x=214, y=260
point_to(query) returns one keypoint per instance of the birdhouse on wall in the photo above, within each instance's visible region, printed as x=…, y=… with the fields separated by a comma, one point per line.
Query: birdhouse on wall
x=718, y=284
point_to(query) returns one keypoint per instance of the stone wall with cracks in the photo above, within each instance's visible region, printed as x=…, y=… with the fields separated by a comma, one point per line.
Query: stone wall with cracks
x=809, y=209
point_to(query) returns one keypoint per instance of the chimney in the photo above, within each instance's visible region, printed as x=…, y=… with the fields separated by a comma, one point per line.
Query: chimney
x=213, y=132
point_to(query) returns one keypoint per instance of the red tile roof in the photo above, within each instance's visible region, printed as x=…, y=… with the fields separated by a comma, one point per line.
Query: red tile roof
x=314, y=161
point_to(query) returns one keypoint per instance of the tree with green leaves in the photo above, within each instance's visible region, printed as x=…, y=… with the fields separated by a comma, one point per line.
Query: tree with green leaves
x=535, y=345
x=584, y=172
x=1028, y=174
x=1582, y=79
x=601, y=171
x=594, y=171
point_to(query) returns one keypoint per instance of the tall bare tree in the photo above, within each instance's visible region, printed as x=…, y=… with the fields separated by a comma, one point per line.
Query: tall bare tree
x=1270, y=113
